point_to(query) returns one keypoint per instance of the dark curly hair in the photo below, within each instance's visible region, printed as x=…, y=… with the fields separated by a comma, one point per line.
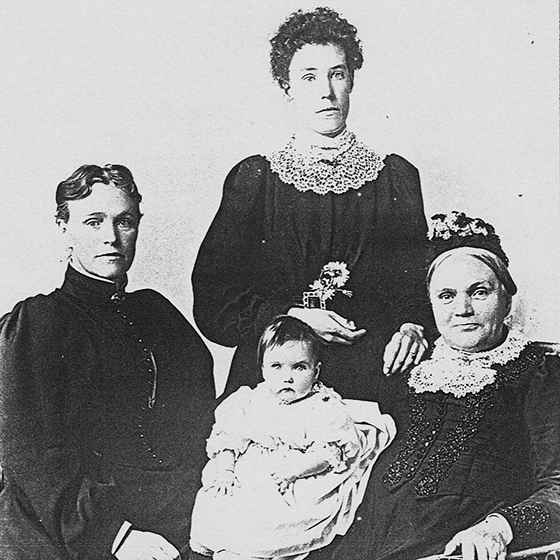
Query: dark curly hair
x=80, y=183
x=321, y=26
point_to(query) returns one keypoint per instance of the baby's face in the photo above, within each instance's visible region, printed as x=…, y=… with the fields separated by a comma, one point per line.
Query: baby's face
x=290, y=370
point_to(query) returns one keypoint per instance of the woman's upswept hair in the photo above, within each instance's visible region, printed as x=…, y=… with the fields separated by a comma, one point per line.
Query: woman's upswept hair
x=79, y=185
x=321, y=26
x=286, y=328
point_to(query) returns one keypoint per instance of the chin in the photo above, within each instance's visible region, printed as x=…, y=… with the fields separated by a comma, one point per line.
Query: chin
x=470, y=344
x=113, y=274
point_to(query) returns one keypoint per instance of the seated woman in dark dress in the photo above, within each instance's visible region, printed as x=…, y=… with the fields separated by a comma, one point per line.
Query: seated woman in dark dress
x=323, y=199
x=106, y=397
x=477, y=469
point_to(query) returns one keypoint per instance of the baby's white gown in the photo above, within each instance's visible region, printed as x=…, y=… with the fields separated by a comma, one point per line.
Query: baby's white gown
x=257, y=521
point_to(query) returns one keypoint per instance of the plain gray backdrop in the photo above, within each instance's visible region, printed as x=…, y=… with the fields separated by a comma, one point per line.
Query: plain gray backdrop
x=180, y=91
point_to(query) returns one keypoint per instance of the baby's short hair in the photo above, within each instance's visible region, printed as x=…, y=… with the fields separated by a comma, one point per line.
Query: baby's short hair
x=286, y=328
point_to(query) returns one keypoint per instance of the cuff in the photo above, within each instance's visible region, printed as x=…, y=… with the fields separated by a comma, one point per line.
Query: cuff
x=125, y=529
x=526, y=520
x=502, y=525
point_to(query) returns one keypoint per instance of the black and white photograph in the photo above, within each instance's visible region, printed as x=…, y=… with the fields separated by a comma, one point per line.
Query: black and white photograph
x=280, y=280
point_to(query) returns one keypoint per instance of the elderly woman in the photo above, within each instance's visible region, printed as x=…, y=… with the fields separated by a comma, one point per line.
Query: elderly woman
x=106, y=397
x=325, y=204
x=478, y=467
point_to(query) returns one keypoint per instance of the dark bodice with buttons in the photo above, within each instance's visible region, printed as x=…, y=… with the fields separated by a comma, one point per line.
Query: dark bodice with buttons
x=107, y=399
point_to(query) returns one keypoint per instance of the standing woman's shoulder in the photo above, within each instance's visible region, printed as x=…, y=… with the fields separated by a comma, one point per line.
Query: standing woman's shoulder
x=399, y=166
x=244, y=183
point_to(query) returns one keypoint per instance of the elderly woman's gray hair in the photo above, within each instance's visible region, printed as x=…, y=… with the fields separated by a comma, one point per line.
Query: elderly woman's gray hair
x=490, y=259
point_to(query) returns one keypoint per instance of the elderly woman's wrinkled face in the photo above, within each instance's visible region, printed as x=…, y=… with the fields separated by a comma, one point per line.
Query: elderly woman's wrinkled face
x=469, y=304
x=320, y=86
x=101, y=232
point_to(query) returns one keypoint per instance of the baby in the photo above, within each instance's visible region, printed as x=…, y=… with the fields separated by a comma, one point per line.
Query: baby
x=289, y=460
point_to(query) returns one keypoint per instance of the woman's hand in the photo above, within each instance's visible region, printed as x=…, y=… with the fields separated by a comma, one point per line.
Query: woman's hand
x=142, y=545
x=405, y=349
x=486, y=540
x=330, y=326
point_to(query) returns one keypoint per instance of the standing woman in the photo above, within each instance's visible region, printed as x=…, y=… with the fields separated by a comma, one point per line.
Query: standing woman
x=106, y=397
x=324, y=199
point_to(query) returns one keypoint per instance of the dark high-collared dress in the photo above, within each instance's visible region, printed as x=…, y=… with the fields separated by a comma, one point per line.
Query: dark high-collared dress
x=269, y=241
x=105, y=403
x=462, y=458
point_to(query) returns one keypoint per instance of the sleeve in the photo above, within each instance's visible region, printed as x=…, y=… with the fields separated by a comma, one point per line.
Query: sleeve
x=49, y=493
x=230, y=429
x=334, y=430
x=230, y=300
x=536, y=520
x=403, y=246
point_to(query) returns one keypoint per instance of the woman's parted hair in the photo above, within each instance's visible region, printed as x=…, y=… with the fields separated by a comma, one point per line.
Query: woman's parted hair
x=321, y=26
x=286, y=328
x=80, y=183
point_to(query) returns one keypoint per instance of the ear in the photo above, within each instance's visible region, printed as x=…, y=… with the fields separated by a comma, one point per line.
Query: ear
x=286, y=91
x=317, y=370
x=63, y=228
x=61, y=225
x=509, y=304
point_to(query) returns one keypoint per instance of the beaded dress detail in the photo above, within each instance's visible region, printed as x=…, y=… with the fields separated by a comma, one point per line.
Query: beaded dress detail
x=342, y=165
x=473, y=378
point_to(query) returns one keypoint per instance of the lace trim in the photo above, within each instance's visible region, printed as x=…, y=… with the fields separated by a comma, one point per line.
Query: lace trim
x=461, y=373
x=348, y=164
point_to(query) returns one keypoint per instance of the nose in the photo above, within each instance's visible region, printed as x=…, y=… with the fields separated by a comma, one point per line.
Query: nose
x=287, y=377
x=327, y=89
x=463, y=305
x=110, y=234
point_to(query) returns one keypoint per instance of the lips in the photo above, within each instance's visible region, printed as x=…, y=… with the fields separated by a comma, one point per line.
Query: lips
x=328, y=110
x=111, y=255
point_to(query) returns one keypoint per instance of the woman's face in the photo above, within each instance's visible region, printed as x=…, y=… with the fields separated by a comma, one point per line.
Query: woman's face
x=102, y=231
x=320, y=86
x=469, y=304
x=289, y=370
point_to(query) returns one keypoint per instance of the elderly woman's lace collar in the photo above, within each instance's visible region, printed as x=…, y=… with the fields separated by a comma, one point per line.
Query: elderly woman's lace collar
x=462, y=373
x=343, y=165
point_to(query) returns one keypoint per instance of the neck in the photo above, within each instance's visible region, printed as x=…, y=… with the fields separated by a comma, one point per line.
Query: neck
x=118, y=282
x=306, y=136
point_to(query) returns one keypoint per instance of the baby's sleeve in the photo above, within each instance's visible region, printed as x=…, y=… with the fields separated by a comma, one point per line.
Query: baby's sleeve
x=230, y=428
x=334, y=431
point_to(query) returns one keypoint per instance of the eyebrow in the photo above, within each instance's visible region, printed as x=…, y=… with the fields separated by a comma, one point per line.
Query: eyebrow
x=484, y=283
x=337, y=67
x=302, y=363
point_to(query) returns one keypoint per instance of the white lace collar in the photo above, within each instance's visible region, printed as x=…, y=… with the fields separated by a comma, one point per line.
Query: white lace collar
x=338, y=165
x=462, y=373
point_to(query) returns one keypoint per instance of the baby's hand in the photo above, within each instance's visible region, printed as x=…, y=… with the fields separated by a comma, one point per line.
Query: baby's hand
x=283, y=475
x=224, y=483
